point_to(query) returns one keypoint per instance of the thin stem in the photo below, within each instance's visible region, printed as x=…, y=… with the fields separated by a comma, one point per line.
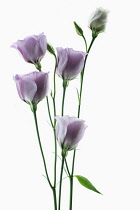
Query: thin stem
x=85, y=42
x=55, y=200
x=78, y=115
x=40, y=145
x=60, y=185
x=63, y=100
x=47, y=99
x=53, y=126
x=67, y=167
x=54, y=89
x=55, y=141
x=71, y=181
x=82, y=77
x=55, y=161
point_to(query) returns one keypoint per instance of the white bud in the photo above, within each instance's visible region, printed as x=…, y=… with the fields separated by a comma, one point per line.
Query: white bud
x=98, y=20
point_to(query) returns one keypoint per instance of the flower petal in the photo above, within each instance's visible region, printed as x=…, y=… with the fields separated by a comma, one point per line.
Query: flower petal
x=26, y=88
x=75, y=132
x=61, y=128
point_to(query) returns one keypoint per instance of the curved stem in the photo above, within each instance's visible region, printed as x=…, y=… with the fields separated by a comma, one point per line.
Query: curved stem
x=48, y=105
x=53, y=126
x=40, y=145
x=54, y=90
x=60, y=185
x=67, y=167
x=55, y=141
x=63, y=100
x=71, y=181
x=85, y=42
x=78, y=115
x=82, y=77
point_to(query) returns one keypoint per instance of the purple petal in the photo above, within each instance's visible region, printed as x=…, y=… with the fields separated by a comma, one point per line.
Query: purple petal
x=26, y=88
x=75, y=132
x=42, y=83
x=32, y=48
x=75, y=63
x=42, y=45
x=62, y=60
x=61, y=128
x=70, y=62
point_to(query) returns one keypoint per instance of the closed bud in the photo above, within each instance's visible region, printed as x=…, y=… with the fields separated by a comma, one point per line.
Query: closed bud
x=78, y=29
x=98, y=20
x=50, y=49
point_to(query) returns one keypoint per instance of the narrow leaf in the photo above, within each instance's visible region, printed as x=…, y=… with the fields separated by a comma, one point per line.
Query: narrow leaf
x=78, y=29
x=78, y=94
x=50, y=49
x=86, y=183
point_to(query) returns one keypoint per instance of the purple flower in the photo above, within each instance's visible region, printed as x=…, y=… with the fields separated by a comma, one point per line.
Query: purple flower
x=32, y=48
x=70, y=63
x=32, y=87
x=69, y=131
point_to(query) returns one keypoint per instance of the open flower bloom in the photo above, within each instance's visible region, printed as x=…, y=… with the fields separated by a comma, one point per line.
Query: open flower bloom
x=70, y=63
x=32, y=48
x=98, y=20
x=32, y=87
x=69, y=131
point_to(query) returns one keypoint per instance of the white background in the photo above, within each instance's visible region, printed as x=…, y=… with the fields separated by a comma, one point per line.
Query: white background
x=109, y=152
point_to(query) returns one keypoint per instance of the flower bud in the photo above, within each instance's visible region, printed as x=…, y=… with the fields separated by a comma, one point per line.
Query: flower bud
x=32, y=48
x=69, y=131
x=69, y=63
x=98, y=20
x=32, y=87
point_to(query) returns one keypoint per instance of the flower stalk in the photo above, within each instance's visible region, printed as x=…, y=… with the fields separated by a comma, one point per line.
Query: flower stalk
x=78, y=115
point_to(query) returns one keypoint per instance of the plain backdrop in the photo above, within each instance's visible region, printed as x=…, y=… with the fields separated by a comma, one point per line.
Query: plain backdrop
x=109, y=154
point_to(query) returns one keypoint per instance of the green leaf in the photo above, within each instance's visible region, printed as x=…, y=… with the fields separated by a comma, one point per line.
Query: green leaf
x=78, y=29
x=86, y=183
x=50, y=49
x=78, y=95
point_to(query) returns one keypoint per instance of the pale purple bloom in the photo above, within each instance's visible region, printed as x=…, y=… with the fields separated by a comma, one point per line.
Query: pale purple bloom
x=70, y=63
x=32, y=48
x=98, y=20
x=32, y=87
x=69, y=131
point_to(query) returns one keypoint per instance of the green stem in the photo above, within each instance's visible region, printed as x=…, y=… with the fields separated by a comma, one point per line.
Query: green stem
x=60, y=183
x=47, y=99
x=40, y=145
x=82, y=77
x=78, y=115
x=63, y=99
x=67, y=167
x=53, y=126
x=55, y=200
x=54, y=89
x=85, y=42
x=71, y=182
x=54, y=131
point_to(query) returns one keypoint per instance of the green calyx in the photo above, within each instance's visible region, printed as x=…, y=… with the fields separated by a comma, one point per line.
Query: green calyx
x=64, y=153
x=33, y=107
x=65, y=83
x=38, y=66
